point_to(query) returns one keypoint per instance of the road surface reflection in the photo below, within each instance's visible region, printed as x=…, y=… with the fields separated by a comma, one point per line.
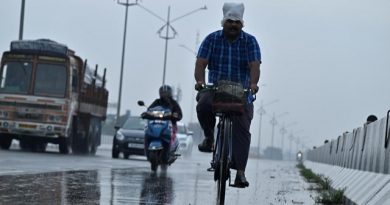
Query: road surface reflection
x=116, y=186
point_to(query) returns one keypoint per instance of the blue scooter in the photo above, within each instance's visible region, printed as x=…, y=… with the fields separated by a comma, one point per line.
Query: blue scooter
x=160, y=149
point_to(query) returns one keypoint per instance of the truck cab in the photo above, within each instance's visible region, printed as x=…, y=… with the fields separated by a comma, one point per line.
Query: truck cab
x=49, y=95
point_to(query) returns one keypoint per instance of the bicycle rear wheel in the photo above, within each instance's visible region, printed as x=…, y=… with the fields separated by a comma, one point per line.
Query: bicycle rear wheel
x=223, y=161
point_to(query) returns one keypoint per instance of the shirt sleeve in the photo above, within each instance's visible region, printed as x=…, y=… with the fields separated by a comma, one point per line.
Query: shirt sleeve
x=254, y=50
x=205, y=48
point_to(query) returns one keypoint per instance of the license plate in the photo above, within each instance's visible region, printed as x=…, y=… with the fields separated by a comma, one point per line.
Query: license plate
x=133, y=145
x=27, y=126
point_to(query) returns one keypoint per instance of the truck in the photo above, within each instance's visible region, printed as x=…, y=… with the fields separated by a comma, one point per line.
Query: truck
x=48, y=94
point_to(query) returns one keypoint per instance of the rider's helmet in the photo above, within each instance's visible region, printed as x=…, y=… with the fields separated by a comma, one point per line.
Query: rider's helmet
x=165, y=91
x=371, y=118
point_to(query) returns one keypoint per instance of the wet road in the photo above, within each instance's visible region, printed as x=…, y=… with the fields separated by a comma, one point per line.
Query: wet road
x=51, y=178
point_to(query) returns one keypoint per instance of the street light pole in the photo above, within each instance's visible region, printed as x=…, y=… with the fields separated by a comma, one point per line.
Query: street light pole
x=127, y=4
x=166, y=37
x=21, y=25
x=291, y=138
x=168, y=26
x=261, y=111
x=274, y=122
x=283, y=131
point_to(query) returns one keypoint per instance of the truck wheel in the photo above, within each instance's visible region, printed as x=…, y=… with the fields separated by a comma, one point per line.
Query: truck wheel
x=91, y=143
x=63, y=146
x=24, y=145
x=79, y=141
x=39, y=146
x=5, y=142
x=91, y=138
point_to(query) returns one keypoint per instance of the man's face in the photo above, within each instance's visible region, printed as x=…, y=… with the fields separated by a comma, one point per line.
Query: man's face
x=232, y=28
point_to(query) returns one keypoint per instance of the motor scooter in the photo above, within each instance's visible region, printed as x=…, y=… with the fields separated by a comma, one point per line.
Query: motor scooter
x=299, y=157
x=160, y=146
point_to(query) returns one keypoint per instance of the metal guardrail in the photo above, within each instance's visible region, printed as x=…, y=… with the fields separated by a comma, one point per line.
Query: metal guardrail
x=366, y=148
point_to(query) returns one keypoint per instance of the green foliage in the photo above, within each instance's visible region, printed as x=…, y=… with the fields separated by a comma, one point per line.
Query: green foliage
x=331, y=197
x=327, y=195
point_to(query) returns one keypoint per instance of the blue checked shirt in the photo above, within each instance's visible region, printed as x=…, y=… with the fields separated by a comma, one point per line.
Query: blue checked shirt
x=229, y=61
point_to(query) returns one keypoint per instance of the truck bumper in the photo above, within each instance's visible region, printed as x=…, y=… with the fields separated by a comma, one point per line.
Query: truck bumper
x=32, y=129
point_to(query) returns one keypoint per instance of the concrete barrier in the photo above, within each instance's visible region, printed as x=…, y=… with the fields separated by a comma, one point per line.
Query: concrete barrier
x=358, y=162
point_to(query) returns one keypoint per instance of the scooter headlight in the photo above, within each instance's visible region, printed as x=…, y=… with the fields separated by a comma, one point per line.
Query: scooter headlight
x=119, y=136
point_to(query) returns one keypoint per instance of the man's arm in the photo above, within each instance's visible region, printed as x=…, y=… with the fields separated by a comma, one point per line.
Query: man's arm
x=254, y=67
x=155, y=103
x=200, y=70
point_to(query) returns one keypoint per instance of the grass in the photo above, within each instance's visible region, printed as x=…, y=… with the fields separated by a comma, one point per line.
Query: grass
x=327, y=195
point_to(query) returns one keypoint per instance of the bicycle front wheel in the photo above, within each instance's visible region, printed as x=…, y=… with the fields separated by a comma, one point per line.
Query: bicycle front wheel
x=223, y=162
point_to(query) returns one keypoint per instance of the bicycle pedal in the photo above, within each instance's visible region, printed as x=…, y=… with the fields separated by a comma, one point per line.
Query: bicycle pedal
x=235, y=186
x=211, y=169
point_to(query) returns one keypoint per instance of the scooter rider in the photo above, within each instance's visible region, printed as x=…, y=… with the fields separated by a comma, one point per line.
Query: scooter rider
x=166, y=100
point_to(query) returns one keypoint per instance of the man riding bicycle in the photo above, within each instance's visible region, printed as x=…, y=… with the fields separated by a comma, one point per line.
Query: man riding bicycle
x=234, y=55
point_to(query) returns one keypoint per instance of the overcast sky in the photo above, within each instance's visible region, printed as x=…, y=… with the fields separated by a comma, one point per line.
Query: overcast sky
x=325, y=62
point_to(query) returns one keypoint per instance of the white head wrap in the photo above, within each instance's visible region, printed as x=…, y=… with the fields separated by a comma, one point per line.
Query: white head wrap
x=233, y=11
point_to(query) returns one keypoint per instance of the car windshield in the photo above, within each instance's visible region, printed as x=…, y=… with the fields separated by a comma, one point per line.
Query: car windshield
x=134, y=123
x=50, y=80
x=181, y=129
x=15, y=77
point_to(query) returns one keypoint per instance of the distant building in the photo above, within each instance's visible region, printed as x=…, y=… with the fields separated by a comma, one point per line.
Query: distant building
x=273, y=153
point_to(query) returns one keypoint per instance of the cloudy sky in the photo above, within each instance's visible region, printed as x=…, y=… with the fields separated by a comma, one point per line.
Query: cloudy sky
x=326, y=63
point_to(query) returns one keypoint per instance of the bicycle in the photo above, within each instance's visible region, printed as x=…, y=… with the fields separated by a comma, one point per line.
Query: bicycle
x=222, y=154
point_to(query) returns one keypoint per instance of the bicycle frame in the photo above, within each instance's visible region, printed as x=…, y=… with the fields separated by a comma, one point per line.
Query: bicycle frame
x=222, y=155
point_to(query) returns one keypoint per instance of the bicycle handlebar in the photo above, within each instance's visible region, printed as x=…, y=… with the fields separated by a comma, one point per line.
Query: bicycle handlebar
x=203, y=87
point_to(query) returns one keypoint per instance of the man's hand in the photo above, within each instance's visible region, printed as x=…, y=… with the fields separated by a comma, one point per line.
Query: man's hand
x=199, y=86
x=254, y=88
x=175, y=115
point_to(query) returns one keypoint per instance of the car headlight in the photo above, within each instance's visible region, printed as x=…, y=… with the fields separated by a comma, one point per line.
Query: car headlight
x=119, y=136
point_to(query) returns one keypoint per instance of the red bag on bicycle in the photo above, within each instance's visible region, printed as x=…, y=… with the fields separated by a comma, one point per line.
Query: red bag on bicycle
x=229, y=97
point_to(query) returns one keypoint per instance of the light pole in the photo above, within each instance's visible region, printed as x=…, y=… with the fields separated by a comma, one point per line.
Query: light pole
x=127, y=4
x=274, y=122
x=261, y=111
x=291, y=138
x=168, y=26
x=283, y=131
x=21, y=20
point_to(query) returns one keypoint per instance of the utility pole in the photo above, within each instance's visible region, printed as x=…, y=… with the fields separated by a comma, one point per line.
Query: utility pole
x=283, y=131
x=274, y=122
x=21, y=25
x=127, y=4
x=292, y=138
x=261, y=111
x=168, y=26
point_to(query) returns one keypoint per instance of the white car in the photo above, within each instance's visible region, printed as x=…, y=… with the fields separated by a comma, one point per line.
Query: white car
x=185, y=139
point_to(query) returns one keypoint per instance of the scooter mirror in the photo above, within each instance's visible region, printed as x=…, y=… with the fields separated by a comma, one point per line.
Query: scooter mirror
x=141, y=103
